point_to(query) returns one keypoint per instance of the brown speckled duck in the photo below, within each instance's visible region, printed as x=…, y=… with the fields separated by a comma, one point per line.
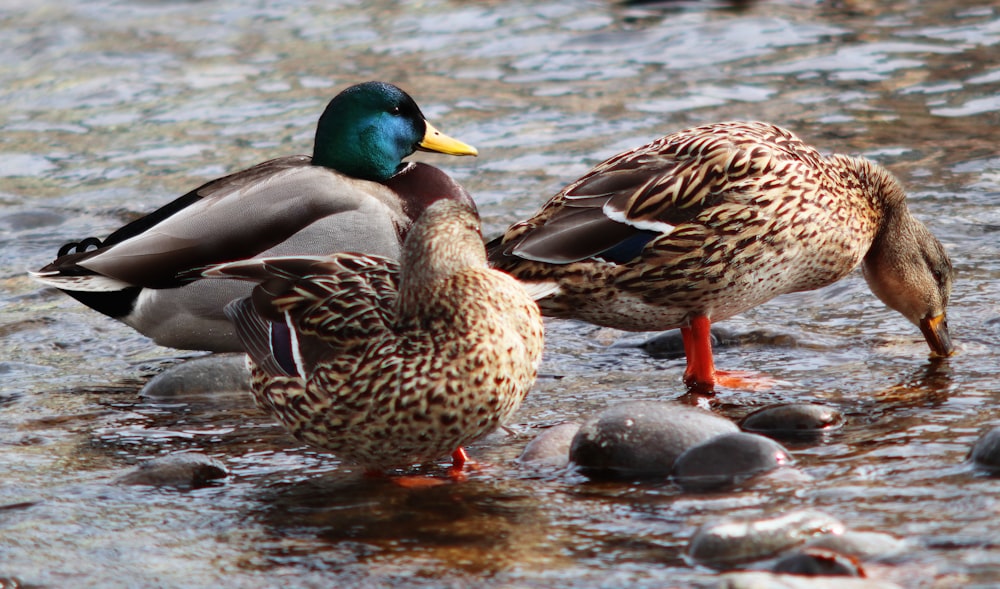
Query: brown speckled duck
x=389, y=364
x=711, y=221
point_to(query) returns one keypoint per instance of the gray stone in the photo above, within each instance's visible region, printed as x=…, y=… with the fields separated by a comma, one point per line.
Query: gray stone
x=727, y=542
x=986, y=452
x=861, y=544
x=189, y=470
x=207, y=374
x=760, y=580
x=642, y=439
x=551, y=446
x=793, y=420
x=728, y=459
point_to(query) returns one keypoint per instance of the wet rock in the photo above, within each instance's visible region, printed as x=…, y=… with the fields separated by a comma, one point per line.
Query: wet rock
x=726, y=460
x=24, y=220
x=863, y=545
x=669, y=345
x=11, y=583
x=642, y=439
x=731, y=541
x=986, y=452
x=207, y=374
x=761, y=580
x=793, y=421
x=189, y=470
x=551, y=446
x=815, y=562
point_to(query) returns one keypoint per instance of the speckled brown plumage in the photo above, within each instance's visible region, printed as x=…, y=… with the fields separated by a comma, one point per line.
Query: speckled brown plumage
x=714, y=220
x=395, y=364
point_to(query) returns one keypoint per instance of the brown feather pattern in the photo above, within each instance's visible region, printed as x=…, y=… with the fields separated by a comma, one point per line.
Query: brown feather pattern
x=742, y=212
x=402, y=365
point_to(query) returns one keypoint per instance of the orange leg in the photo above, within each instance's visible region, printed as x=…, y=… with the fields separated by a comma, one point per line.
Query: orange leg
x=459, y=461
x=459, y=458
x=699, y=376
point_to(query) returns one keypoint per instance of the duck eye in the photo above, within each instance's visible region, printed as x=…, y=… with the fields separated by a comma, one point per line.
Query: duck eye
x=396, y=111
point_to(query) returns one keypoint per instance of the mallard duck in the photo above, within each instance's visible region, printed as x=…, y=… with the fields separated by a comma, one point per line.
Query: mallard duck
x=389, y=363
x=711, y=221
x=353, y=194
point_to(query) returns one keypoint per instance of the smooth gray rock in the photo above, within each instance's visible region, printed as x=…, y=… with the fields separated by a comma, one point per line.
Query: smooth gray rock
x=761, y=580
x=793, y=420
x=727, y=542
x=986, y=452
x=551, y=446
x=818, y=562
x=728, y=459
x=861, y=544
x=207, y=374
x=189, y=470
x=642, y=439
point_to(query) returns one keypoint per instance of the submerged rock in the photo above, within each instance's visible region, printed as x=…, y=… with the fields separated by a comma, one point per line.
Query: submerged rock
x=861, y=544
x=207, y=374
x=732, y=541
x=816, y=562
x=189, y=470
x=793, y=420
x=728, y=459
x=986, y=452
x=642, y=439
x=551, y=446
x=669, y=345
x=762, y=580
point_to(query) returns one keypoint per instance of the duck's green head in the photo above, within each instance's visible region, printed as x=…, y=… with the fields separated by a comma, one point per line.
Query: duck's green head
x=368, y=129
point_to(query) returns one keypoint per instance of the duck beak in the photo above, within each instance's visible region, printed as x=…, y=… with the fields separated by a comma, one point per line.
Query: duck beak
x=435, y=140
x=935, y=330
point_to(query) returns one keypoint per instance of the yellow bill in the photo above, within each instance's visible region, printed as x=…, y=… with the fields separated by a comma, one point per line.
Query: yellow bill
x=435, y=140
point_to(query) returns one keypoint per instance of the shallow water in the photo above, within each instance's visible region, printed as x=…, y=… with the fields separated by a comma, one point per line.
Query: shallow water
x=112, y=108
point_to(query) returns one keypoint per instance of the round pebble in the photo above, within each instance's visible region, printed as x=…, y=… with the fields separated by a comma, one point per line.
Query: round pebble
x=669, y=345
x=726, y=460
x=642, y=439
x=24, y=220
x=731, y=541
x=861, y=544
x=551, y=446
x=986, y=452
x=189, y=470
x=793, y=420
x=207, y=374
x=818, y=562
x=765, y=580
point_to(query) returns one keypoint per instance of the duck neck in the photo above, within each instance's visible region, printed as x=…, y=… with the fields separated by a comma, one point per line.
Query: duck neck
x=884, y=197
x=432, y=259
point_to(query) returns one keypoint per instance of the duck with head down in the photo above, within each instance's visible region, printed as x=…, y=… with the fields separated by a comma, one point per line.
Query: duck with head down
x=353, y=194
x=712, y=221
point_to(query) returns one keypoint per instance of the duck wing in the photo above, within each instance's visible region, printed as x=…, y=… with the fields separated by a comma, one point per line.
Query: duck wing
x=235, y=217
x=306, y=309
x=632, y=198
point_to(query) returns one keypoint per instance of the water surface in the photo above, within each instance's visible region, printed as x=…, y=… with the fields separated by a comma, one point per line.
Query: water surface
x=110, y=109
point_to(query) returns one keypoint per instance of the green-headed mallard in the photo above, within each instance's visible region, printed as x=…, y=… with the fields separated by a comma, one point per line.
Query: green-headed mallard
x=708, y=222
x=390, y=363
x=353, y=194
